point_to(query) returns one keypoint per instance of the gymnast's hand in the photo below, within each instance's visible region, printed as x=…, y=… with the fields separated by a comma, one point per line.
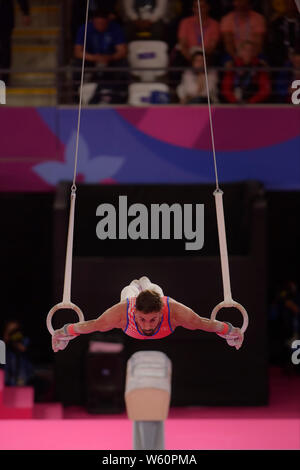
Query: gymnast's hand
x=60, y=340
x=234, y=338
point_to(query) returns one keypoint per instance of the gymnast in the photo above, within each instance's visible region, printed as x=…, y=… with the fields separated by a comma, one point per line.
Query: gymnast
x=145, y=313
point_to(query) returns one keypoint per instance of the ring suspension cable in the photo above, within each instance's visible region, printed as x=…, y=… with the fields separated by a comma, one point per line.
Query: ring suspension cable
x=228, y=301
x=69, y=254
x=80, y=96
x=66, y=302
x=208, y=100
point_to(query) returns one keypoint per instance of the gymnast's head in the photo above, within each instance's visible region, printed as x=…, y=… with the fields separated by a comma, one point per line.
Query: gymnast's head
x=148, y=312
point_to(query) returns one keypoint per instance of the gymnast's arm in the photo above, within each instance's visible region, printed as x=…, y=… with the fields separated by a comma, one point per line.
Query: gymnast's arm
x=187, y=318
x=112, y=318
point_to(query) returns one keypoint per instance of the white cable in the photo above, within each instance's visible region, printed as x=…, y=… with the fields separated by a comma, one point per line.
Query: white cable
x=80, y=95
x=228, y=301
x=208, y=99
x=66, y=302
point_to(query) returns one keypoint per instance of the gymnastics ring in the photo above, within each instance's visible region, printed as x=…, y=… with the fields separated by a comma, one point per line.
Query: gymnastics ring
x=60, y=306
x=228, y=304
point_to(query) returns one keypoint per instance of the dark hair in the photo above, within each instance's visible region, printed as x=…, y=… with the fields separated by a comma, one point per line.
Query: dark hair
x=149, y=301
x=101, y=13
x=296, y=51
x=196, y=53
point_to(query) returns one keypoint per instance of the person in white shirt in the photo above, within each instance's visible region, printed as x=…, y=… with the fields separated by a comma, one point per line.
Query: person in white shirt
x=192, y=88
x=145, y=18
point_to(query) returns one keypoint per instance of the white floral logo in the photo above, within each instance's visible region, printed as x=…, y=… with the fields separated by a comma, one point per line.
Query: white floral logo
x=93, y=169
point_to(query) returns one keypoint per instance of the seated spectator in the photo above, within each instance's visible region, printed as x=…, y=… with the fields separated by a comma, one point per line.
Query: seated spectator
x=192, y=88
x=275, y=8
x=246, y=85
x=284, y=35
x=220, y=8
x=189, y=34
x=18, y=369
x=105, y=47
x=145, y=19
x=285, y=78
x=288, y=320
x=242, y=24
x=78, y=9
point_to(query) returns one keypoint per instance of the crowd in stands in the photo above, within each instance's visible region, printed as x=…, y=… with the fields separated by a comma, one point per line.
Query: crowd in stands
x=252, y=47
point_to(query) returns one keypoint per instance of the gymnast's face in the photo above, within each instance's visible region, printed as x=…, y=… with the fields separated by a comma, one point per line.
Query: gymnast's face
x=148, y=322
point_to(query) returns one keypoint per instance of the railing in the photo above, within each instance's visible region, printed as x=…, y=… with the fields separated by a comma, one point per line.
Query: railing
x=67, y=81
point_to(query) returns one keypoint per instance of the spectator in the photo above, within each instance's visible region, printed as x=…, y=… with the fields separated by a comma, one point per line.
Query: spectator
x=286, y=316
x=284, y=35
x=285, y=78
x=246, y=84
x=220, y=8
x=192, y=88
x=189, y=34
x=274, y=9
x=18, y=368
x=7, y=23
x=78, y=8
x=242, y=24
x=105, y=47
x=145, y=19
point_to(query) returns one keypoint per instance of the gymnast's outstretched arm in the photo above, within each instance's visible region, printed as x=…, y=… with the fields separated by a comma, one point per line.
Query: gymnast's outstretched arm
x=187, y=318
x=110, y=319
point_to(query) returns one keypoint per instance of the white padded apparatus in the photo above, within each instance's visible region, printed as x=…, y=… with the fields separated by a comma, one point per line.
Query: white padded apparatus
x=148, y=369
x=148, y=386
x=140, y=93
x=298, y=4
x=148, y=55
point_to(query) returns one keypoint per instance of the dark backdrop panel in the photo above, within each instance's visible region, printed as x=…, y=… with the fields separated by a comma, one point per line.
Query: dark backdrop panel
x=283, y=238
x=26, y=265
x=206, y=370
x=237, y=202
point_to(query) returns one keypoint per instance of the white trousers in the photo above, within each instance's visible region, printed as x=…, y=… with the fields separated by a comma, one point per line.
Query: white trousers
x=137, y=286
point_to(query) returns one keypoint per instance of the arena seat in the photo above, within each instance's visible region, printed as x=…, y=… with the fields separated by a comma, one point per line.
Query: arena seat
x=148, y=55
x=140, y=94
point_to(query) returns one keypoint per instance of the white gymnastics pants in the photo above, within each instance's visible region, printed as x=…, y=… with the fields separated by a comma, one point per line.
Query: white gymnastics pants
x=137, y=286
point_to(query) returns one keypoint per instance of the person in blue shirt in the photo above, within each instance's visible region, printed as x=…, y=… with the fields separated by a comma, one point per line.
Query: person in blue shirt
x=105, y=47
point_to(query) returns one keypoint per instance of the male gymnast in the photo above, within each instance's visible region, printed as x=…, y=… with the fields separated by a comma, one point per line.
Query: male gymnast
x=145, y=313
